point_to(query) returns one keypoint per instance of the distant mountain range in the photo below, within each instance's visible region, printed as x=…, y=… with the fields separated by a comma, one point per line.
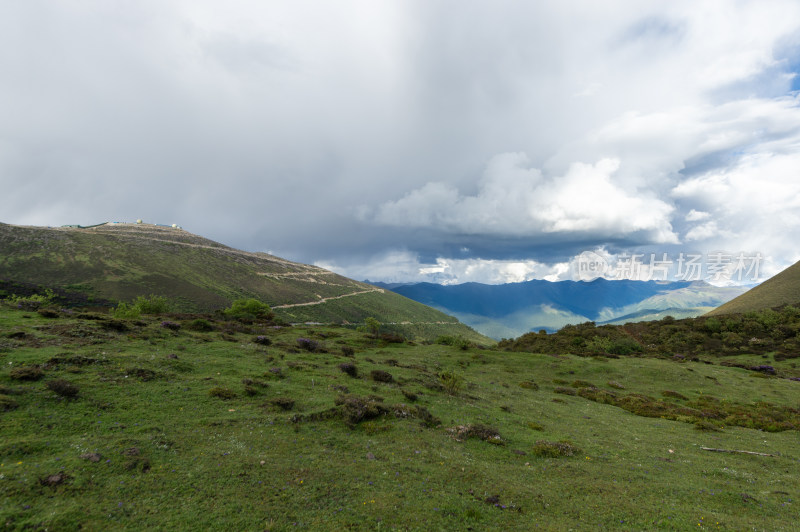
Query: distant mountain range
x=510, y=310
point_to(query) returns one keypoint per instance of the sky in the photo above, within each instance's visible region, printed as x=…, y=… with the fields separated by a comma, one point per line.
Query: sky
x=401, y=141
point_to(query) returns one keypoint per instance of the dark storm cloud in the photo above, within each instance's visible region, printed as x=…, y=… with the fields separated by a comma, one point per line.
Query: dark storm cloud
x=366, y=135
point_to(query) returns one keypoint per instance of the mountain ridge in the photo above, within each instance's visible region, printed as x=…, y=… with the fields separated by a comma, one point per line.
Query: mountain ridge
x=120, y=261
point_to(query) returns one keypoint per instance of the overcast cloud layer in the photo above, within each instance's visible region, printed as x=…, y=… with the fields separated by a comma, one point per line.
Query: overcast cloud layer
x=398, y=141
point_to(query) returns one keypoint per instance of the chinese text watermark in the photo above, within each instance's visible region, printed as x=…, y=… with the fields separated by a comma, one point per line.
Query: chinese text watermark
x=716, y=267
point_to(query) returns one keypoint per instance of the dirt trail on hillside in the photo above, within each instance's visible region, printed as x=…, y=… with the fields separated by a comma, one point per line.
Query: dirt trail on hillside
x=324, y=299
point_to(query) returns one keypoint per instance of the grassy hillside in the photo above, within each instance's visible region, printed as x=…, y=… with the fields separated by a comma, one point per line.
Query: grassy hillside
x=782, y=289
x=179, y=424
x=121, y=261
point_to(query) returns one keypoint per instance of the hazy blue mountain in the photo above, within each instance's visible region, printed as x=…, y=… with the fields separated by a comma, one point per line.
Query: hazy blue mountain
x=510, y=310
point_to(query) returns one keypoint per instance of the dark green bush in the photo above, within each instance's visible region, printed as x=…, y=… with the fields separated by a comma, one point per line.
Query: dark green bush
x=378, y=375
x=555, y=449
x=62, y=387
x=200, y=325
x=26, y=373
x=7, y=403
x=222, y=393
x=252, y=309
x=349, y=368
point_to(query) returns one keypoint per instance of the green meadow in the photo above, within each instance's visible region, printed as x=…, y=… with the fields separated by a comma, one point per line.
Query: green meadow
x=196, y=422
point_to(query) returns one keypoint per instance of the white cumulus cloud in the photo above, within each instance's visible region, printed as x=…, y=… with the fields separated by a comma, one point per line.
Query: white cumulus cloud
x=514, y=199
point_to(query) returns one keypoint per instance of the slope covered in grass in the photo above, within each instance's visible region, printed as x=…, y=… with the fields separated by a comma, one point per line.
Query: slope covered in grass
x=122, y=261
x=782, y=289
x=194, y=425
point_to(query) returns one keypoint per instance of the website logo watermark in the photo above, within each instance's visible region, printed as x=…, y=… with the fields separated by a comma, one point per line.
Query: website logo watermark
x=717, y=267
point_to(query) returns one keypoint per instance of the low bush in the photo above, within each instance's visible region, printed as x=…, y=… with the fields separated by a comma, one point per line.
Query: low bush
x=554, y=449
x=355, y=409
x=565, y=391
x=200, y=325
x=477, y=431
x=62, y=387
x=311, y=346
x=284, y=403
x=411, y=396
x=378, y=375
x=262, y=340
x=451, y=382
x=674, y=395
x=222, y=393
x=529, y=385
x=26, y=373
x=706, y=426
x=349, y=368
x=7, y=403
x=249, y=309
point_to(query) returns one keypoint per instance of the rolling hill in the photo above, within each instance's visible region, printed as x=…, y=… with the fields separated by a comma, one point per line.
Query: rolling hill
x=782, y=289
x=510, y=310
x=120, y=261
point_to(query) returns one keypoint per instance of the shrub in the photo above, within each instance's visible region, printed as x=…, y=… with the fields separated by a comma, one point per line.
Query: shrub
x=48, y=313
x=426, y=418
x=582, y=384
x=200, y=325
x=284, y=403
x=625, y=346
x=454, y=341
x=535, y=426
x=27, y=373
x=769, y=370
x=706, y=426
x=142, y=305
x=378, y=375
x=114, y=325
x=554, y=449
x=252, y=309
x=152, y=304
x=392, y=338
x=565, y=390
x=7, y=403
x=124, y=311
x=349, y=368
x=262, y=340
x=348, y=351
x=355, y=409
x=372, y=326
x=451, y=382
x=477, y=431
x=674, y=395
x=222, y=393
x=254, y=382
x=308, y=345
x=62, y=387
x=529, y=385
x=615, y=384
x=171, y=325
x=411, y=396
